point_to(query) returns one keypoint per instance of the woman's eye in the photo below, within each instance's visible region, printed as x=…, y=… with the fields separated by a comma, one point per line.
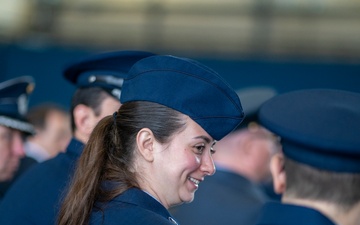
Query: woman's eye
x=200, y=149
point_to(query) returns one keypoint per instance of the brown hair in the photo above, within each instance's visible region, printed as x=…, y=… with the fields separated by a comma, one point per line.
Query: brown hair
x=108, y=156
x=305, y=182
x=89, y=96
x=37, y=115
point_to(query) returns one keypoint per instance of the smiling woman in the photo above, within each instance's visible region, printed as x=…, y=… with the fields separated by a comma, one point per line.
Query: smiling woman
x=156, y=149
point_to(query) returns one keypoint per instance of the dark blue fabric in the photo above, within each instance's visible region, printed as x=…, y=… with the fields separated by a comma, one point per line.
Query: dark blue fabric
x=318, y=127
x=10, y=91
x=106, y=70
x=224, y=198
x=118, y=61
x=34, y=198
x=116, y=64
x=133, y=207
x=25, y=163
x=188, y=87
x=284, y=214
x=14, y=97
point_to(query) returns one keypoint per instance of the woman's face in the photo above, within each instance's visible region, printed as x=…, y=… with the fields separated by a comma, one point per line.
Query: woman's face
x=182, y=164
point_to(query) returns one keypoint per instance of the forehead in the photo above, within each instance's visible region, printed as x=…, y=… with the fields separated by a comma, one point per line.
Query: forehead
x=4, y=129
x=194, y=131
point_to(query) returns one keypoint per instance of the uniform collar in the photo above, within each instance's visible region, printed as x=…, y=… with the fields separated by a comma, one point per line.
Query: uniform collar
x=35, y=151
x=275, y=213
x=75, y=147
x=144, y=200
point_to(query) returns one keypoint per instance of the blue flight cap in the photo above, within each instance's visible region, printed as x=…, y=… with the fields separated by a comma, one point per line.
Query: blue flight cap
x=14, y=96
x=318, y=127
x=106, y=70
x=188, y=87
x=251, y=100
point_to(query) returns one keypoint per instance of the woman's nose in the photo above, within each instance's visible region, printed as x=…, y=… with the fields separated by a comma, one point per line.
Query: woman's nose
x=208, y=165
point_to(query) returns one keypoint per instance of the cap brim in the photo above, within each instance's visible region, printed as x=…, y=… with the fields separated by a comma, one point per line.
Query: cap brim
x=17, y=124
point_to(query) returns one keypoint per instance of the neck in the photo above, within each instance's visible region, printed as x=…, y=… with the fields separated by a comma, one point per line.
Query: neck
x=81, y=136
x=333, y=211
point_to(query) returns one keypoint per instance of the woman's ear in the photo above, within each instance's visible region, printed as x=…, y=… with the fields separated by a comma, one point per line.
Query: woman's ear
x=278, y=173
x=145, y=143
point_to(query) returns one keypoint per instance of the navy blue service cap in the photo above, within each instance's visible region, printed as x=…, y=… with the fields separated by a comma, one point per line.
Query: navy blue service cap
x=14, y=96
x=105, y=70
x=317, y=127
x=251, y=100
x=188, y=87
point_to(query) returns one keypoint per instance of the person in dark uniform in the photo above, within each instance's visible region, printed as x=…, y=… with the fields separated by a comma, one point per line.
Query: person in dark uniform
x=14, y=96
x=35, y=197
x=242, y=165
x=157, y=149
x=319, y=169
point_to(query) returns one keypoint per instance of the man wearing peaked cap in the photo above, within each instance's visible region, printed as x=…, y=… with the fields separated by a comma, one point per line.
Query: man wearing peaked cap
x=35, y=198
x=242, y=165
x=319, y=170
x=14, y=96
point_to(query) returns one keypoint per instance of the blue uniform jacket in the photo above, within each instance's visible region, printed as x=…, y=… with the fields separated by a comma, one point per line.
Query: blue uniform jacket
x=275, y=213
x=34, y=198
x=225, y=198
x=133, y=207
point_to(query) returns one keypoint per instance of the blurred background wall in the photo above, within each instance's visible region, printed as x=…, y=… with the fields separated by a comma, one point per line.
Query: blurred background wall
x=287, y=44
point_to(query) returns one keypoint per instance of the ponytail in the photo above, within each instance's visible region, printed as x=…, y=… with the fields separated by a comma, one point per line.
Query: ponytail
x=79, y=201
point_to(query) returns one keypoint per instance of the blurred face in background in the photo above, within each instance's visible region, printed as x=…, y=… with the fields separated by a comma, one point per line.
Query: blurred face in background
x=86, y=118
x=56, y=134
x=263, y=148
x=248, y=152
x=11, y=151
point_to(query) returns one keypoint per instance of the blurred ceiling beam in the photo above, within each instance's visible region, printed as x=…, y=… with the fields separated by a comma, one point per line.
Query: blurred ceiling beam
x=228, y=28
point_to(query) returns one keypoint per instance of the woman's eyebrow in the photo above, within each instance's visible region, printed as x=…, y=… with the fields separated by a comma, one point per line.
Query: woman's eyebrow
x=205, y=138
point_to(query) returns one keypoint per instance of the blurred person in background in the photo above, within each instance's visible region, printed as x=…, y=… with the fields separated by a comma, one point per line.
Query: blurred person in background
x=14, y=95
x=318, y=171
x=243, y=165
x=35, y=197
x=52, y=131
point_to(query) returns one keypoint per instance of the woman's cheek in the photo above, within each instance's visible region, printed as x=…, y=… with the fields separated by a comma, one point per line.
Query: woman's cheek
x=197, y=160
